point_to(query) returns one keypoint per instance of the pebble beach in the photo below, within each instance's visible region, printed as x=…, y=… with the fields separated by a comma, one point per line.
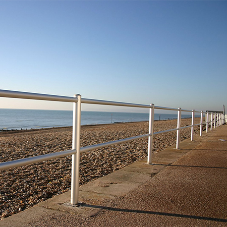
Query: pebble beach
x=23, y=187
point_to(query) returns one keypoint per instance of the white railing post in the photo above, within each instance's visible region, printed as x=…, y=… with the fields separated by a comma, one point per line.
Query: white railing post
x=192, y=128
x=75, y=181
x=178, y=128
x=215, y=114
x=151, y=132
x=207, y=120
x=201, y=123
x=223, y=114
x=218, y=119
x=211, y=121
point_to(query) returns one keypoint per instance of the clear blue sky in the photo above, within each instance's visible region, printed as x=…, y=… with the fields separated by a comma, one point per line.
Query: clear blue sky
x=170, y=53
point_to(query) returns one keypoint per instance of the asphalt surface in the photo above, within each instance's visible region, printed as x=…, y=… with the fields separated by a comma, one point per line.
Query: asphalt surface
x=185, y=187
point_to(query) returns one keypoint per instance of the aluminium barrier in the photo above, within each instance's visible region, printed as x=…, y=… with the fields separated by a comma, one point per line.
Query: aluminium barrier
x=213, y=118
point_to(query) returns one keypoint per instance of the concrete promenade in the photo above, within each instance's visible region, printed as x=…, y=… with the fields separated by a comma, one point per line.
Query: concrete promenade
x=185, y=187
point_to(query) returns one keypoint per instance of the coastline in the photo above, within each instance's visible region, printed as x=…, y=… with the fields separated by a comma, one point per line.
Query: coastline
x=26, y=186
x=17, y=119
x=4, y=132
x=22, y=130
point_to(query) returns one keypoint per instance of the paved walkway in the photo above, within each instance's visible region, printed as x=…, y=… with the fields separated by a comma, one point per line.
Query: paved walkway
x=185, y=187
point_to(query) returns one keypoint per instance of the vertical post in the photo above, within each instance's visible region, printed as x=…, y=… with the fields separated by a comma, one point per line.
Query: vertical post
x=201, y=123
x=76, y=146
x=192, y=128
x=218, y=119
x=207, y=120
x=211, y=121
x=178, y=128
x=151, y=132
x=224, y=113
x=215, y=120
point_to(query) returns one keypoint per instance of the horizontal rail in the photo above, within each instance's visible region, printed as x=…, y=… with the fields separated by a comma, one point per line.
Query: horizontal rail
x=96, y=146
x=31, y=160
x=165, y=108
x=168, y=130
x=188, y=126
x=175, y=109
x=40, y=158
x=173, y=129
x=214, y=111
x=36, y=96
x=103, y=102
x=169, y=108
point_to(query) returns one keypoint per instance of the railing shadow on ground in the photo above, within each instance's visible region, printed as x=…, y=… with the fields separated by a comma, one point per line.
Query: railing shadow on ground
x=107, y=208
x=189, y=166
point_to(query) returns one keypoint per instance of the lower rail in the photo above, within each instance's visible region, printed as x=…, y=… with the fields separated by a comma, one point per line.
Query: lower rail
x=60, y=154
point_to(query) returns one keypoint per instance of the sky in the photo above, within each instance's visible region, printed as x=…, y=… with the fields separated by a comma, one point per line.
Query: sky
x=170, y=53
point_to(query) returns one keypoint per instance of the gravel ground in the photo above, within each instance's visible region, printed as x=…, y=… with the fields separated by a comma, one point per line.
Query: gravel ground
x=26, y=186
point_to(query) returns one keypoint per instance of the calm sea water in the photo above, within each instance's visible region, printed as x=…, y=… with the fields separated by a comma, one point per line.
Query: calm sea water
x=27, y=119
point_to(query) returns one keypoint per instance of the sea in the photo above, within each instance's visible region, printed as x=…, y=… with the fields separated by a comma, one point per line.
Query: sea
x=17, y=119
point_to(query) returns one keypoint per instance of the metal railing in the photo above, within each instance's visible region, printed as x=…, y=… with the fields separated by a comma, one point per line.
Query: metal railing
x=213, y=118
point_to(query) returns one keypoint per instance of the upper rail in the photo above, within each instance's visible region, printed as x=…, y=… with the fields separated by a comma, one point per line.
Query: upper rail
x=37, y=96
